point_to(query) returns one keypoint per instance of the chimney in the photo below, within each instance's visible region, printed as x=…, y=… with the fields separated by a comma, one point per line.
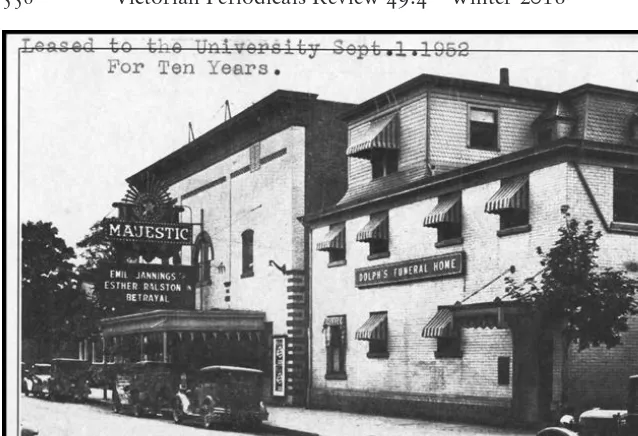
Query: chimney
x=505, y=77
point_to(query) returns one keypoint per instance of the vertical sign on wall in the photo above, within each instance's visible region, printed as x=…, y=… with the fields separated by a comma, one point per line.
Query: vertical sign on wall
x=279, y=366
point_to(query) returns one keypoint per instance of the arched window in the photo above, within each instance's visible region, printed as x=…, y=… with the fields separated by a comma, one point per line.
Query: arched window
x=247, y=240
x=202, y=256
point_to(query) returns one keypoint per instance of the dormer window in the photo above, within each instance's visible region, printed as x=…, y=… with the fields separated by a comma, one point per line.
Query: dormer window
x=483, y=128
x=557, y=121
x=378, y=144
x=384, y=162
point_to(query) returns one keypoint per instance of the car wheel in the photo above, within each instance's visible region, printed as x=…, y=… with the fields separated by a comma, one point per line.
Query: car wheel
x=209, y=424
x=117, y=406
x=178, y=413
x=137, y=411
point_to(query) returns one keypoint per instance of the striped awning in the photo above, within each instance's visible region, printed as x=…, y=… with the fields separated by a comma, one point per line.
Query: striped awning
x=374, y=329
x=440, y=326
x=338, y=320
x=447, y=211
x=335, y=239
x=376, y=229
x=513, y=194
x=381, y=134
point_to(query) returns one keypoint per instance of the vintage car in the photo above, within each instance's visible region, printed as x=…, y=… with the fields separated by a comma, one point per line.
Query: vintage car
x=146, y=388
x=221, y=395
x=69, y=379
x=39, y=377
x=604, y=422
x=25, y=378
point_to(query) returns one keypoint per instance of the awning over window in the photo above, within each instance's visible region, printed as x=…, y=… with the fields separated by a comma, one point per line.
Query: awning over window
x=381, y=134
x=447, y=211
x=440, y=326
x=335, y=239
x=513, y=194
x=374, y=329
x=376, y=229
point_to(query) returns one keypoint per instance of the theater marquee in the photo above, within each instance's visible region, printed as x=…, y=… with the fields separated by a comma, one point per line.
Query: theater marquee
x=149, y=286
x=426, y=268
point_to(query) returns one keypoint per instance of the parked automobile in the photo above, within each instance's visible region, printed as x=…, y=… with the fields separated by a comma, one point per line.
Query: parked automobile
x=25, y=379
x=27, y=429
x=69, y=379
x=221, y=394
x=146, y=388
x=39, y=376
x=604, y=422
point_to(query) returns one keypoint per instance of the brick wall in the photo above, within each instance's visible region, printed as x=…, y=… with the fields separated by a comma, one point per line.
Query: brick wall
x=263, y=201
x=598, y=376
x=411, y=368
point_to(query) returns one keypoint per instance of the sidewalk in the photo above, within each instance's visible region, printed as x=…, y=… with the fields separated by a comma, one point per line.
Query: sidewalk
x=289, y=420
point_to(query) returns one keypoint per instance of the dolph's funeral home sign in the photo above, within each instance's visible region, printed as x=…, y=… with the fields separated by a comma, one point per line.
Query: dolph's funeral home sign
x=425, y=268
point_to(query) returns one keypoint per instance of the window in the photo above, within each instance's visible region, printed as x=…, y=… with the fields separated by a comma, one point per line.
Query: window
x=511, y=203
x=379, y=246
x=511, y=218
x=448, y=347
x=337, y=256
x=247, y=253
x=376, y=234
x=335, y=244
x=503, y=371
x=625, y=196
x=384, y=162
x=483, y=129
x=203, y=255
x=448, y=231
x=335, y=335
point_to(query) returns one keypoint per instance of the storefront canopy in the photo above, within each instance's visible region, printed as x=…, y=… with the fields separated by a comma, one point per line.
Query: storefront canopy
x=440, y=326
x=513, y=194
x=335, y=239
x=184, y=321
x=447, y=211
x=374, y=329
x=376, y=229
x=380, y=135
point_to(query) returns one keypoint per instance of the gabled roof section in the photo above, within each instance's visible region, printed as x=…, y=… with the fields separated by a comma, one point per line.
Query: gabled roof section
x=428, y=80
x=279, y=102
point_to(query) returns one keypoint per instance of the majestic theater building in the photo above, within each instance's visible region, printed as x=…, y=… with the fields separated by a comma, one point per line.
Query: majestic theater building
x=452, y=184
x=242, y=186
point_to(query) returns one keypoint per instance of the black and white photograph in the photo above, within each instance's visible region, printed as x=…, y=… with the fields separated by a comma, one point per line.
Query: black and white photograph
x=323, y=234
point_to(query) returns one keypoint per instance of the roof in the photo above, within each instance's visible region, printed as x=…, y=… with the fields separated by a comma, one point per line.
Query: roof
x=222, y=134
x=230, y=368
x=590, y=87
x=389, y=190
x=430, y=80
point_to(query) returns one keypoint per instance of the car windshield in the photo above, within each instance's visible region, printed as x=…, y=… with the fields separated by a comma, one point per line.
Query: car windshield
x=232, y=384
x=42, y=369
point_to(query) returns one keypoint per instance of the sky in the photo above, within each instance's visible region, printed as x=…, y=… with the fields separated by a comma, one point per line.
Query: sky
x=83, y=130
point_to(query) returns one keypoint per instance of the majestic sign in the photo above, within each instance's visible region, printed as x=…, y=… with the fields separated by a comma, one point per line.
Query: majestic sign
x=150, y=286
x=148, y=223
x=162, y=233
x=425, y=268
x=279, y=366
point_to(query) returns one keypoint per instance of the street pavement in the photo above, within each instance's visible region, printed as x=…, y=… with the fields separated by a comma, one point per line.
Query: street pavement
x=96, y=418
